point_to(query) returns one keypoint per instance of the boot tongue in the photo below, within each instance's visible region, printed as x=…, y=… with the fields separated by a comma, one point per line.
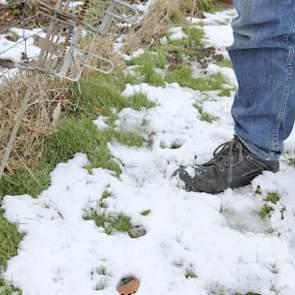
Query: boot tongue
x=224, y=152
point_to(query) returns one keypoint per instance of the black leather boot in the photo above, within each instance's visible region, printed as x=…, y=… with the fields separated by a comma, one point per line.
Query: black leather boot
x=232, y=166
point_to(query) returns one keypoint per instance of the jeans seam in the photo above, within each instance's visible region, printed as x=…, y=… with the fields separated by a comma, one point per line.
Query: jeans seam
x=284, y=101
x=285, y=95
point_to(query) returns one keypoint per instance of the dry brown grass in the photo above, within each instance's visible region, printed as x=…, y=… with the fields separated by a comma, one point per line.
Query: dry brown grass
x=48, y=96
x=192, y=7
x=158, y=20
x=153, y=27
x=104, y=46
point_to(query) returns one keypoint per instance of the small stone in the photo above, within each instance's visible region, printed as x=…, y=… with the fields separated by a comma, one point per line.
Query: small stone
x=137, y=231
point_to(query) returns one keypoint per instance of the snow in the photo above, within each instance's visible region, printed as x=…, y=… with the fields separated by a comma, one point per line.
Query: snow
x=135, y=54
x=101, y=122
x=14, y=50
x=219, y=35
x=218, y=31
x=144, y=7
x=226, y=72
x=185, y=230
x=219, y=238
x=176, y=33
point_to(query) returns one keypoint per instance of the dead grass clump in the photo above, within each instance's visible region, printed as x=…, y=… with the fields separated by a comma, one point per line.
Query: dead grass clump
x=48, y=98
x=161, y=15
x=190, y=8
x=14, y=12
x=195, y=8
x=104, y=46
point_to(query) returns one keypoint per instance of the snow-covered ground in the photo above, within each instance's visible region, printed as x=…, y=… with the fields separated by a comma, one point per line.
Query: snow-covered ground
x=195, y=243
x=14, y=51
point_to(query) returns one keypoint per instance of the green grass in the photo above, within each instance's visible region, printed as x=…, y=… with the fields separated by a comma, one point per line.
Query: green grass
x=226, y=63
x=110, y=222
x=265, y=211
x=218, y=290
x=188, y=47
x=22, y=182
x=100, y=286
x=132, y=79
x=158, y=58
x=183, y=76
x=149, y=74
x=79, y=134
x=146, y=213
x=270, y=200
x=148, y=62
x=100, y=94
x=205, y=116
x=10, y=239
x=258, y=191
x=190, y=274
x=8, y=289
x=102, y=271
x=226, y=92
x=104, y=197
x=206, y=6
x=139, y=100
x=273, y=197
x=195, y=38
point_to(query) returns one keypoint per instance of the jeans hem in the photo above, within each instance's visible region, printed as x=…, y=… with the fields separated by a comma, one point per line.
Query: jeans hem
x=260, y=153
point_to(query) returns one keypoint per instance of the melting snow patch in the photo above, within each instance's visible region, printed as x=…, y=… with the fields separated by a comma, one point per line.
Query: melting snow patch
x=101, y=122
x=176, y=33
x=217, y=240
x=195, y=243
x=135, y=54
x=14, y=50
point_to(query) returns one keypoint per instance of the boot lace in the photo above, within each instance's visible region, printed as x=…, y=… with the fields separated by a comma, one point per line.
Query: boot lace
x=226, y=154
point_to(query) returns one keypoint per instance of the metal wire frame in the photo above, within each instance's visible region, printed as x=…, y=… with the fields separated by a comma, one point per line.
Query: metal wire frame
x=72, y=50
x=74, y=57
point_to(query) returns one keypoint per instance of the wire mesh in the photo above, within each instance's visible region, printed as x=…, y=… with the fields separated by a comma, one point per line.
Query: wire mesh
x=60, y=53
x=67, y=25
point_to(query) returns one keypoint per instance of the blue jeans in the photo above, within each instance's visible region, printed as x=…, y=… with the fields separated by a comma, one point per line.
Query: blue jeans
x=264, y=62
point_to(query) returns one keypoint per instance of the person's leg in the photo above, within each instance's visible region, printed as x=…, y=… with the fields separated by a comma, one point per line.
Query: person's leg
x=264, y=62
x=264, y=108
